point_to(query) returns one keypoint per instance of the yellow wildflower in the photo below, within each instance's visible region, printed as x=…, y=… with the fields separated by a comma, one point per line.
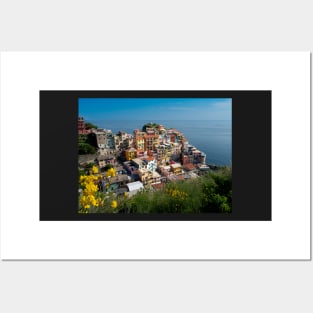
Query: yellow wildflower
x=94, y=170
x=90, y=188
x=110, y=172
x=113, y=204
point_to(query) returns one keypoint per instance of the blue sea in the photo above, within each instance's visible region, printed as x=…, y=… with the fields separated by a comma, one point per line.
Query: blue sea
x=214, y=138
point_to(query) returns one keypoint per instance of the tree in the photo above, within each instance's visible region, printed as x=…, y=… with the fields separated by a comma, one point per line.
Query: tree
x=85, y=148
x=107, y=167
x=90, y=165
x=89, y=125
x=149, y=125
x=217, y=191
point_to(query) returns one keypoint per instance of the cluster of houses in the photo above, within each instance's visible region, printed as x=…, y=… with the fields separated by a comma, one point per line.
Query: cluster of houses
x=150, y=158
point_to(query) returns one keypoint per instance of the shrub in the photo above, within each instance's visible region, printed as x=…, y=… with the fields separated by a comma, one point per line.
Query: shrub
x=207, y=194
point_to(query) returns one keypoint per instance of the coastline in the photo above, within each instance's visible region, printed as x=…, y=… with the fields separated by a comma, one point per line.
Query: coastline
x=213, y=137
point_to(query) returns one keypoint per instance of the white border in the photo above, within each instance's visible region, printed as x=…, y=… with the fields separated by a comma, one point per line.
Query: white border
x=23, y=74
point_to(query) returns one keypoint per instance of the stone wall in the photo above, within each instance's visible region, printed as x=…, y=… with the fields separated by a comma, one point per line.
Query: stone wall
x=86, y=158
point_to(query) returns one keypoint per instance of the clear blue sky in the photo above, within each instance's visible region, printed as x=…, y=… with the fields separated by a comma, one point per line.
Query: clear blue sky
x=155, y=108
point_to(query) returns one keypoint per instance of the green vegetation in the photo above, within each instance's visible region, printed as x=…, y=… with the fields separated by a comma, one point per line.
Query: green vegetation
x=107, y=167
x=90, y=125
x=84, y=146
x=149, y=125
x=210, y=193
x=85, y=169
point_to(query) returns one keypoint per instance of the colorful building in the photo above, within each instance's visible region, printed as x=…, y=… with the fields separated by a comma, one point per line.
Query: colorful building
x=103, y=138
x=150, y=163
x=123, y=141
x=104, y=160
x=139, y=142
x=82, y=127
x=176, y=168
x=130, y=154
x=149, y=177
x=151, y=140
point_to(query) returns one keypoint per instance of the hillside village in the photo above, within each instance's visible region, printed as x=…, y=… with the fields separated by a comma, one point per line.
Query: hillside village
x=148, y=158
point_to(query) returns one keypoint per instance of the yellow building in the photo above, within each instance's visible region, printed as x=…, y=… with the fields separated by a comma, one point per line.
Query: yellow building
x=176, y=168
x=139, y=141
x=130, y=154
x=149, y=177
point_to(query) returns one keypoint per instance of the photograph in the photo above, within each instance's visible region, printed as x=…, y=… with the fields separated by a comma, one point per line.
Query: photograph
x=154, y=155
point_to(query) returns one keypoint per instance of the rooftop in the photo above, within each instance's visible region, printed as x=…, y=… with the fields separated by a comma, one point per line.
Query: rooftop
x=135, y=186
x=189, y=167
x=118, y=179
x=158, y=186
x=137, y=161
x=131, y=150
x=176, y=165
x=151, y=158
x=105, y=157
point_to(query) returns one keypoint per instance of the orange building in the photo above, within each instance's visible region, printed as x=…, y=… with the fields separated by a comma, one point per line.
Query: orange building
x=151, y=140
